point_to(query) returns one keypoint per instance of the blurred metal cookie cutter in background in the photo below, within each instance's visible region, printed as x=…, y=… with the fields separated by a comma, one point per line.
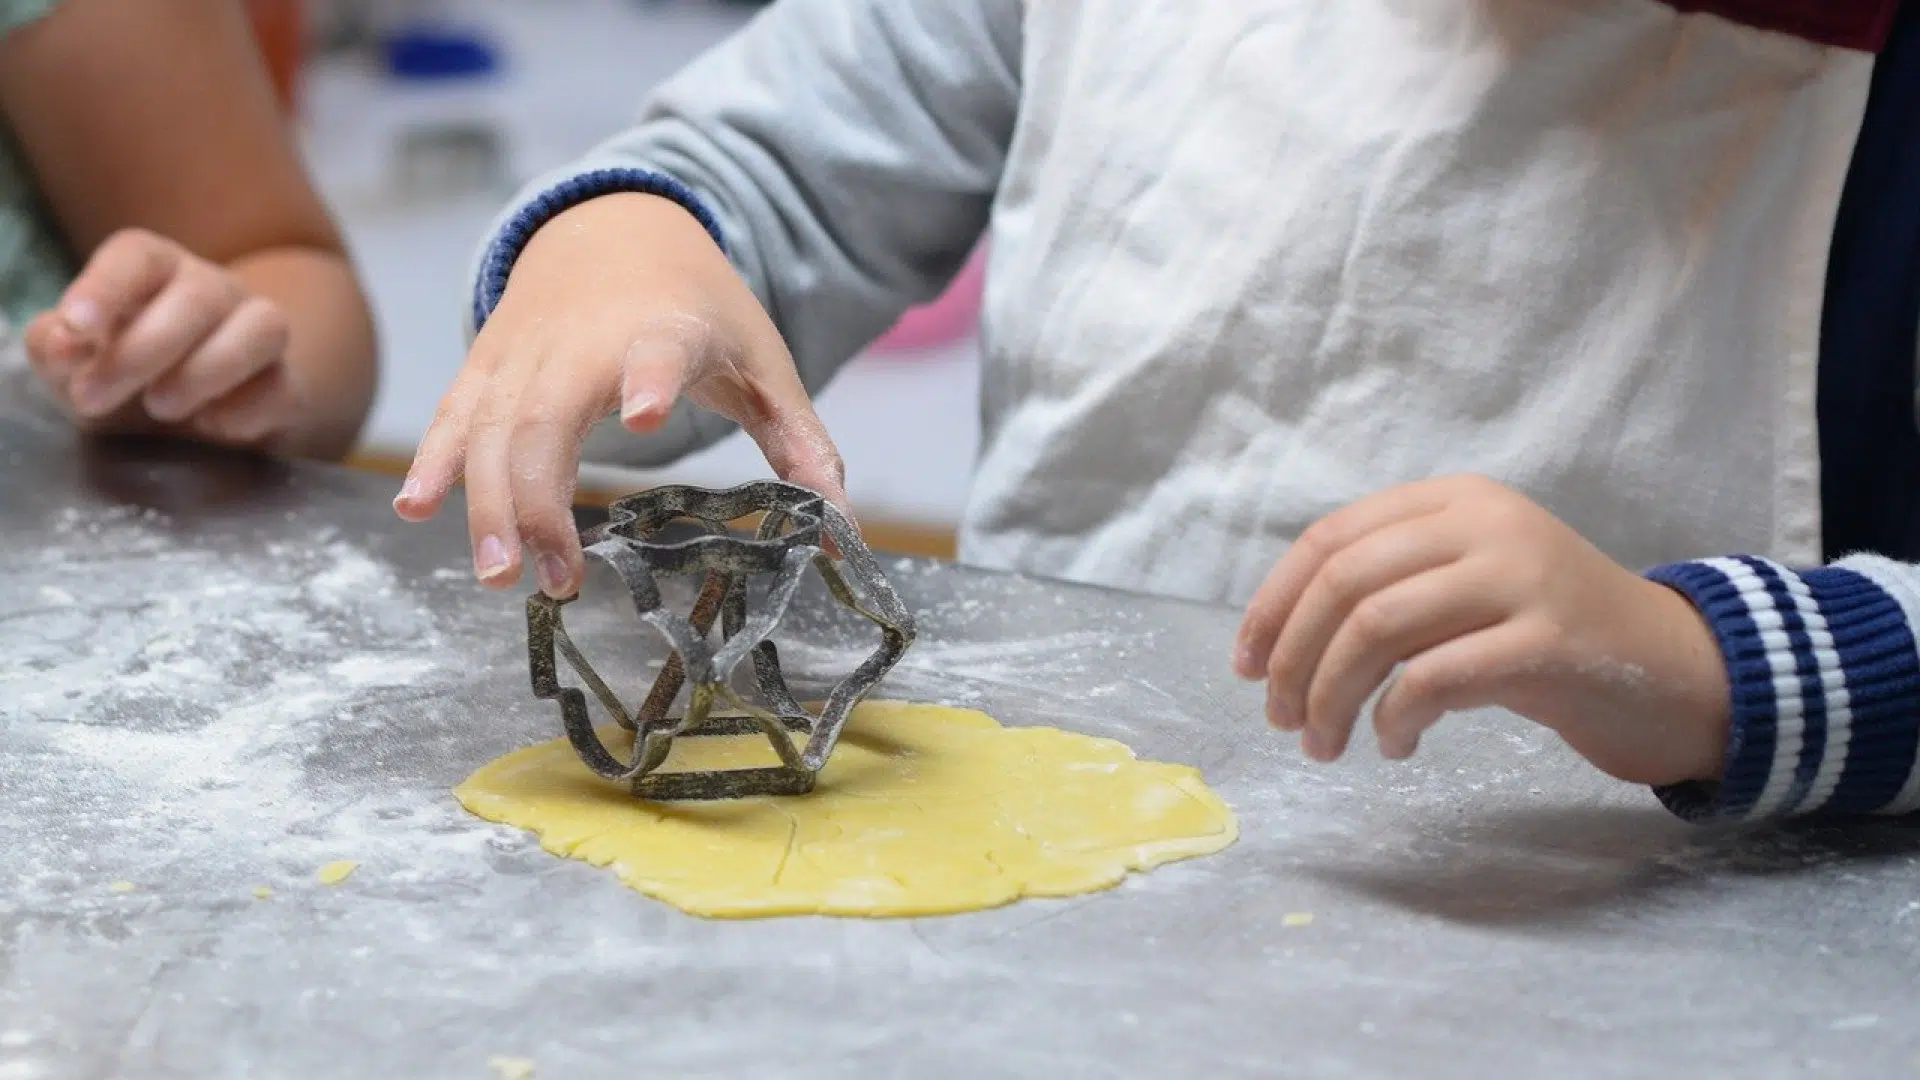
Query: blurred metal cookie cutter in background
x=795, y=526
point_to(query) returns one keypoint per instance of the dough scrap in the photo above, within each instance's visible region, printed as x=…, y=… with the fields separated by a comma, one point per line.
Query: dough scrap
x=336, y=872
x=511, y=1068
x=922, y=810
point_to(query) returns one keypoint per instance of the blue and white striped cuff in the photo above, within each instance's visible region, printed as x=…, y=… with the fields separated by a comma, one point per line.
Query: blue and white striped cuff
x=507, y=244
x=1826, y=689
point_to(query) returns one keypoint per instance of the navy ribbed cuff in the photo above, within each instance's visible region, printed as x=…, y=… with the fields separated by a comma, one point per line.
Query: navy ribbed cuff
x=1824, y=678
x=505, y=247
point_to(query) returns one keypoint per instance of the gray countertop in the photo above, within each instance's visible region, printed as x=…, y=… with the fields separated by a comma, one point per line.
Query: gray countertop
x=221, y=674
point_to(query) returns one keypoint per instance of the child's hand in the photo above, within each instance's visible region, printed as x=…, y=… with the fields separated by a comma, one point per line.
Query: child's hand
x=1488, y=600
x=621, y=303
x=151, y=337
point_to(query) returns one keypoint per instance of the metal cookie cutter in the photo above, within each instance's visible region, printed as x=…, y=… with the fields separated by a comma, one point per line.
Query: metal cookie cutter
x=790, y=537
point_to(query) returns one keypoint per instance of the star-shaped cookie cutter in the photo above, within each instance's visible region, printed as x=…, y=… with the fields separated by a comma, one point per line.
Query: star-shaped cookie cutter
x=795, y=525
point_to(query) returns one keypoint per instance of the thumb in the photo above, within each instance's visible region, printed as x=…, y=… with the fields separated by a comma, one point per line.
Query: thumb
x=53, y=347
x=652, y=373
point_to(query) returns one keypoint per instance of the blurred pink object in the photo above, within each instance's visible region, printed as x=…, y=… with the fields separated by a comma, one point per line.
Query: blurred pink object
x=948, y=320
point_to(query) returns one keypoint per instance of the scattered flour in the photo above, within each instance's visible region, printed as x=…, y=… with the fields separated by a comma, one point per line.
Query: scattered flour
x=204, y=692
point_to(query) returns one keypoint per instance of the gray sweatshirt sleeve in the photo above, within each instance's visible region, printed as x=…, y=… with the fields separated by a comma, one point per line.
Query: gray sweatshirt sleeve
x=843, y=152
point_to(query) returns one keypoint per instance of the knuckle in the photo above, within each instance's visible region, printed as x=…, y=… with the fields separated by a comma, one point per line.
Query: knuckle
x=535, y=425
x=1374, y=621
x=138, y=249
x=268, y=319
x=1539, y=642
x=536, y=522
x=1316, y=542
x=1282, y=670
x=206, y=292
x=447, y=414
x=1343, y=577
x=1426, y=684
x=1260, y=624
x=134, y=242
x=491, y=425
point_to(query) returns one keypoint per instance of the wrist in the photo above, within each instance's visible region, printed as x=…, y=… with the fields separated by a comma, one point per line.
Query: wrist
x=1697, y=686
x=626, y=225
x=609, y=192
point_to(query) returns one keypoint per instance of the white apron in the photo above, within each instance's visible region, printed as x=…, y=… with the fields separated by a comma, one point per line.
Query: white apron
x=1277, y=255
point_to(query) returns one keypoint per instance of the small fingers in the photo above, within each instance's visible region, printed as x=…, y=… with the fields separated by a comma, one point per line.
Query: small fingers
x=125, y=273
x=169, y=329
x=491, y=517
x=796, y=444
x=1273, y=602
x=1342, y=584
x=250, y=414
x=251, y=339
x=766, y=399
x=441, y=457
x=53, y=349
x=1403, y=620
x=1464, y=673
x=544, y=448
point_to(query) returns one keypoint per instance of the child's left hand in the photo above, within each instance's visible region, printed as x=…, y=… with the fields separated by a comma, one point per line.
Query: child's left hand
x=1488, y=600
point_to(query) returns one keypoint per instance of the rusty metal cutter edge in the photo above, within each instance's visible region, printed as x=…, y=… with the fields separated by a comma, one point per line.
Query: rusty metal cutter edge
x=795, y=522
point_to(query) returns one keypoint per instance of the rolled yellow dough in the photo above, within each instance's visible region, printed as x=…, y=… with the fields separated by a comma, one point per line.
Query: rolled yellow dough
x=922, y=810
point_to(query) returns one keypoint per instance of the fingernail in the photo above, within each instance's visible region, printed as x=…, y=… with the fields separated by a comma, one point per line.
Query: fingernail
x=638, y=404
x=1313, y=744
x=162, y=407
x=552, y=572
x=490, y=558
x=82, y=315
x=409, y=491
x=93, y=397
x=1243, y=664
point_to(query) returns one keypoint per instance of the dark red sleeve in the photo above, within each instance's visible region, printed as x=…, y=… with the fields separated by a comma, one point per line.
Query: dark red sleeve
x=1848, y=24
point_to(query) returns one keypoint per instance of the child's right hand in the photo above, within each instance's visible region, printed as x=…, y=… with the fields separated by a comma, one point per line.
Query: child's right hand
x=621, y=303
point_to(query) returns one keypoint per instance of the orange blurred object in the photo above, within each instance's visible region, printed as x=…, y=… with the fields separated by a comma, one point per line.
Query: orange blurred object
x=280, y=26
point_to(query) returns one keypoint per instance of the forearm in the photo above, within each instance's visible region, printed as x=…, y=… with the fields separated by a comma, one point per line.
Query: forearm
x=331, y=355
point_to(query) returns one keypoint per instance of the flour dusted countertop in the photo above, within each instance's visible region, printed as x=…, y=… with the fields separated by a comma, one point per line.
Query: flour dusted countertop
x=220, y=676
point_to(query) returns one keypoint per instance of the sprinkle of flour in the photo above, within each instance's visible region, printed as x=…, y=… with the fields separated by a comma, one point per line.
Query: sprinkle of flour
x=202, y=683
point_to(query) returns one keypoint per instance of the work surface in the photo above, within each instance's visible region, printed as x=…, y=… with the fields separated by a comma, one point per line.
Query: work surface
x=219, y=675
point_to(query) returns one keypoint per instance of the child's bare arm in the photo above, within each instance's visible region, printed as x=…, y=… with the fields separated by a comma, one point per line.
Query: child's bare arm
x=217, y=300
